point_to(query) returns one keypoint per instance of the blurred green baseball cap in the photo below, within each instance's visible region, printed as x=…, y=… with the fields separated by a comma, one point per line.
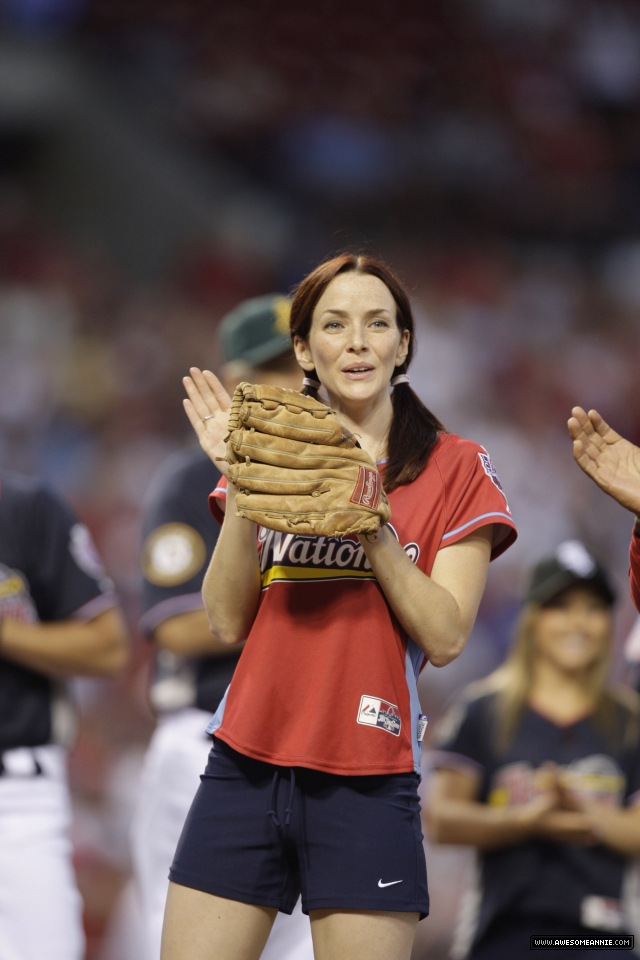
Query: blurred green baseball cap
x=570, y=566
x=257, y=330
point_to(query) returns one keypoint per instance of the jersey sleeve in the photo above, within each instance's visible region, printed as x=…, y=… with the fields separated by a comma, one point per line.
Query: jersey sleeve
x=631, y=767
x=632, y=798
x=634, y=567
x=474, y=497
x=66, y=575
x=217, y=497
x=460, y=739
x=179, y=537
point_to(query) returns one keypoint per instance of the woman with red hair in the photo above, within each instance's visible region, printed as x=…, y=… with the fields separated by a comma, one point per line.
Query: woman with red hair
x=312, y=782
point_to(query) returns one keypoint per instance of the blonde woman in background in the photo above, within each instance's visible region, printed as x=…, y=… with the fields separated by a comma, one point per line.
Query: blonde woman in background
x=538, y=767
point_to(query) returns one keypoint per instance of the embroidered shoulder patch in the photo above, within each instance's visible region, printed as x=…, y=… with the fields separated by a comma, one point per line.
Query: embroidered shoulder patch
x=374, y=712
x=490, y=470
x=172, y=554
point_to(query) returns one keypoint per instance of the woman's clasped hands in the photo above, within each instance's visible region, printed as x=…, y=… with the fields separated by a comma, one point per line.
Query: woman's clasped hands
x=559, y=813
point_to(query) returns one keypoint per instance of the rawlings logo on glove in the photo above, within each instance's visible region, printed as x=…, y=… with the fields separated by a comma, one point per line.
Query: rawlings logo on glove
x=297, y=468
x=368, y=488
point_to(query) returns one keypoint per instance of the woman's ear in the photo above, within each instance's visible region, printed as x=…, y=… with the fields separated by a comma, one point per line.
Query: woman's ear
x=403, y=348
x=303, y=354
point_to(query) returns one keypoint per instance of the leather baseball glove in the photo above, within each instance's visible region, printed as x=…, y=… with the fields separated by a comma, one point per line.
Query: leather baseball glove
x=297, y=469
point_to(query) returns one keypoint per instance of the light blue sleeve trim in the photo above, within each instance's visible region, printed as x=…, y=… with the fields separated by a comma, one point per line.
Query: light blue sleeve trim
x=220, y=490
x=483, y=516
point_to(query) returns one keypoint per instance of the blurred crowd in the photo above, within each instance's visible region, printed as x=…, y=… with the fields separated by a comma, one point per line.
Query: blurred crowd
x=516, y=115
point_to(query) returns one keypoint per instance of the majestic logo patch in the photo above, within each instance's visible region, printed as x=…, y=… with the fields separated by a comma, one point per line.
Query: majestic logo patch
x=367, y=488
x=374, y=712
x=172, y=554
x=490, y=470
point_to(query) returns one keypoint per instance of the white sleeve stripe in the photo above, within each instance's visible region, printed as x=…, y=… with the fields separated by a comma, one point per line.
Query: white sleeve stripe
x=171, y=607
x=221, y=490
x=483, y=516
x=92, y=609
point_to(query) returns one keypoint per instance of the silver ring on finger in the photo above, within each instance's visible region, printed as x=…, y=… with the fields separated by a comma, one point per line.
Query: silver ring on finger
x=210, y=417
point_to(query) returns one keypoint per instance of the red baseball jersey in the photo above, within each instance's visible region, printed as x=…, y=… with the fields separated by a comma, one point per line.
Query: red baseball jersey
x=634, y=571
x=328, y=677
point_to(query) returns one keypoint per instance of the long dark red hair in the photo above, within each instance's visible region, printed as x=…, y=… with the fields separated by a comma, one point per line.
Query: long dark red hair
x=414, y=429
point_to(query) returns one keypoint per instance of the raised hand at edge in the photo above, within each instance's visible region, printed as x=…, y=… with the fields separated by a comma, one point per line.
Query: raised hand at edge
x=610, y=460
x=208, y=398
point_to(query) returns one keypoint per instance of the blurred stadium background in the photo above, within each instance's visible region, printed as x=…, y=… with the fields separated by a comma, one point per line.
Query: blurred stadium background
x=160, y=161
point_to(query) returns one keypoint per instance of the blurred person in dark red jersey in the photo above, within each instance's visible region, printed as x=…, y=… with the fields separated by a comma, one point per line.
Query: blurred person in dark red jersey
x=538, y=767
x=193, y=668
x=614, y=464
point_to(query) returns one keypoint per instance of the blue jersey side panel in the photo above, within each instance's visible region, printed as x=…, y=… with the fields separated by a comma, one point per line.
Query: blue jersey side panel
x=216, y=720
x=414, y=660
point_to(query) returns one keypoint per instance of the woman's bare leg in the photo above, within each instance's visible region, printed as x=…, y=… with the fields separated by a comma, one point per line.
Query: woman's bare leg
x=199, y=926
x=362, y=934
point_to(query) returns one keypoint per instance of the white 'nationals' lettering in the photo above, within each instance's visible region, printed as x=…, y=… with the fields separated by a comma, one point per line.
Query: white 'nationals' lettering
x=290, y=552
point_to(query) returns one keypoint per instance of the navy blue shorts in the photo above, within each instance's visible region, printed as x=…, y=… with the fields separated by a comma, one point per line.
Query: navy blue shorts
x=264, y=834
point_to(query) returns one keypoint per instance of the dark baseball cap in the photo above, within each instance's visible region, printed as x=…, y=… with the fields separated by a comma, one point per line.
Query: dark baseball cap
x=257, y=330
x=570, y=566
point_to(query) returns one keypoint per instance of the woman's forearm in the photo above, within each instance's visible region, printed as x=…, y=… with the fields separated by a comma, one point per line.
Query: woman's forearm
x=95, y=648
x=189, y=635
x=474, y=824
x=617, y=829
x=231, y=586
x=437, y=618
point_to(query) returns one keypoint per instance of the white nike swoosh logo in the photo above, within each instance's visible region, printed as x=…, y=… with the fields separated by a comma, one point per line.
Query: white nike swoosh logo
x=390, y=884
